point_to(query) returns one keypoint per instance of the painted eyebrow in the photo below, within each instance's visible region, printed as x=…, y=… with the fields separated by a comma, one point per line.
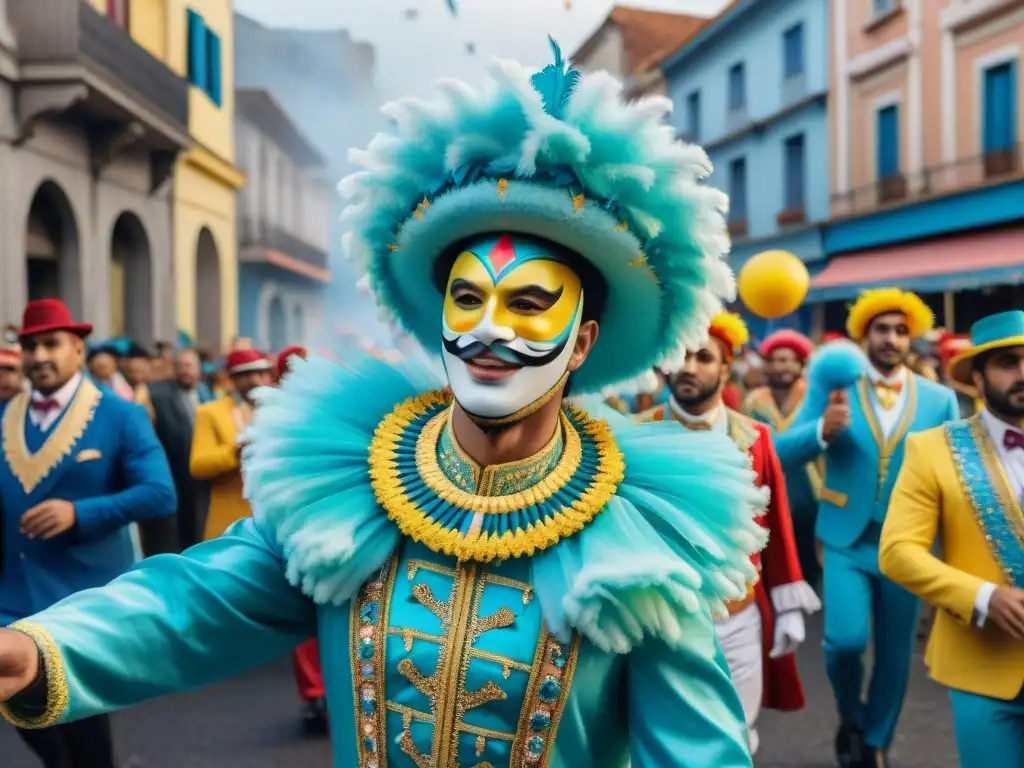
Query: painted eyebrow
x=536, y=292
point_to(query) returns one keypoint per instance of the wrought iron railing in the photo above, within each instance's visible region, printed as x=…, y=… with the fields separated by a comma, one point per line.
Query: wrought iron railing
x=258, y=233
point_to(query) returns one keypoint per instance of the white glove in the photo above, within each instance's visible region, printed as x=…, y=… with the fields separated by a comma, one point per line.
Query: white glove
x=789, y=634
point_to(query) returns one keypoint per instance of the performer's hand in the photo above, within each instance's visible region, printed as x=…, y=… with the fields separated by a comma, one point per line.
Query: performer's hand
x=1006, y=611
x=19, y=662
x=49, y=519
x=836, y=417
x=790, y=632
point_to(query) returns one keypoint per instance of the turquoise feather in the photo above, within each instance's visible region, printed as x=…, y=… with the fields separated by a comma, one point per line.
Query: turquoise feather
x=556, y=83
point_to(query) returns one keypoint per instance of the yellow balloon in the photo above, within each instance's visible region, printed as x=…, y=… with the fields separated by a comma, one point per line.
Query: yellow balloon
x=773, y=283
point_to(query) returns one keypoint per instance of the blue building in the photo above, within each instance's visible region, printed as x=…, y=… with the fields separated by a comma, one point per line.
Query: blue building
x=751, y=88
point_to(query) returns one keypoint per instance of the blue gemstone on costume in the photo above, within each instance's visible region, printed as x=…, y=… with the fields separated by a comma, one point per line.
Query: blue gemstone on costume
x=366, y=649
x=557, y=656
x=370, y=744
x=369, y=612
x=540, y=720
x=535, y=745
x=369, y=707
x=367, y=671
x=549, y=689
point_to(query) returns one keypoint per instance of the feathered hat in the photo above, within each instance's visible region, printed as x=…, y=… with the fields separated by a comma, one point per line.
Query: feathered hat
x=729, y=328
x=879, y=301
x=558, y=155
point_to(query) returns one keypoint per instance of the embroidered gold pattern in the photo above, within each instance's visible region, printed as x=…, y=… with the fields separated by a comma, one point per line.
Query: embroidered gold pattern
x=32, y=468
x=500, y=619
x=425, y=597
x=413, y=565
x=548, y=690
x=422, y=683
x=421, y=760
x=368, y=638
x=886, y=447
x=481, y=745
x=57, y=695
x=485, y=694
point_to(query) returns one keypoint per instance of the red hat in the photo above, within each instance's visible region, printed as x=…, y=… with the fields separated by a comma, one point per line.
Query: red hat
x=10, y=358
x=830, y=336
x=787, y=339
x=245, y=361
x=951, y=346
x=287, y=353
x=46, y=315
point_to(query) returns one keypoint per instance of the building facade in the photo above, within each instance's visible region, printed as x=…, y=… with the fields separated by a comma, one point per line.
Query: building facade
x=927, y=184
x=284, y=216
x=751, y=87
x=91, y=126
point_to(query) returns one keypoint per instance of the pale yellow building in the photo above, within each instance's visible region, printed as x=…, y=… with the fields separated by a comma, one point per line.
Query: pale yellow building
x=195, y=39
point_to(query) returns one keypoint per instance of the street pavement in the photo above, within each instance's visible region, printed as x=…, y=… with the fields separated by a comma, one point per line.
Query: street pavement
x=251, y=722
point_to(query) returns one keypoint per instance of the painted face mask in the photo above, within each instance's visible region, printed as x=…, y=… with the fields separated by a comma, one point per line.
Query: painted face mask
x=512, y=310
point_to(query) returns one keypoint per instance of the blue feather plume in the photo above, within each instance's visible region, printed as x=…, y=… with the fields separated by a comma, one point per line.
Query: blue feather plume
x=556, y=83
x=835, y=366
x=452, y=8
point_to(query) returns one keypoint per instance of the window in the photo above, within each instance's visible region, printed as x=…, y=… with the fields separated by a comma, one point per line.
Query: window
x=794, y=172
x=793, y=51
x=738, y=189
x=737, y=88
x=888, y=142
x=999, y=105
x=693, y=116
x=882, y=7
x=204, y=58
x=117, y=12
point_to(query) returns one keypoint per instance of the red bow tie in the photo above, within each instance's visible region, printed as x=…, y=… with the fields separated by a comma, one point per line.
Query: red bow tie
x=1013, y=439
x=45, y=406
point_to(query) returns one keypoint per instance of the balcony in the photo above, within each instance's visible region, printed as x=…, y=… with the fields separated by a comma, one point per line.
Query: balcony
x=267, y=243
x=738, y=228
x=961, y=175
x=76, y=63
x=792, y=216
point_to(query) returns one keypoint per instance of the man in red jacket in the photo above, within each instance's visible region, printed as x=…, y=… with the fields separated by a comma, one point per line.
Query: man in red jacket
x=762, y=631
x=306, y=658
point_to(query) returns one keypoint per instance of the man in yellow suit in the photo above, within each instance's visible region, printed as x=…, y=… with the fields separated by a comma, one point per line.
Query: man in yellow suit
x=964, y=481
x=219, y=436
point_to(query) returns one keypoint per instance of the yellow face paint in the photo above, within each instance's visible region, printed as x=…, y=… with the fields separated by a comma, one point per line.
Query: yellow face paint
x=511, y=301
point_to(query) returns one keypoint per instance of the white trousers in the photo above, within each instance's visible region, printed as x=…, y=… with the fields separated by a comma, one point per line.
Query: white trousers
x=740, y=638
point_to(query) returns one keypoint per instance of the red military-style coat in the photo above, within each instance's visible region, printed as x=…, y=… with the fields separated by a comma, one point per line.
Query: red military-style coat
x=778, y=562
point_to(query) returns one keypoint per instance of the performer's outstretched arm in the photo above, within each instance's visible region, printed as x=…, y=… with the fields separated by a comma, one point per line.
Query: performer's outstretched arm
x=683, y=709
x=173, y=623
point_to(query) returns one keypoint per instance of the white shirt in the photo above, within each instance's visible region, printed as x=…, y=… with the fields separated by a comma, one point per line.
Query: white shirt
x=888, y=419
x=45, y=420
x=1013, y=464
x=717, y=418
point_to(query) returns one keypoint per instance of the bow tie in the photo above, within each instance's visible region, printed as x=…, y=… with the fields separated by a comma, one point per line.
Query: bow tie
x=44, y=406
x=1013, y=439
x=888, y=394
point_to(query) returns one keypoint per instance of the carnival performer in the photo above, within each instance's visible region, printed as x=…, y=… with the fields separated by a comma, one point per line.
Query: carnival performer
x=763, y=629
x=219, y=436
x=785, y=354
x=309, y=677
x=500, y=578
x=861, y=462
x=962, y=481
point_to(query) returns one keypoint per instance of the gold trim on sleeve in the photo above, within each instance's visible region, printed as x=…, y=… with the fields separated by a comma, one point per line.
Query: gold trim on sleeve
x=57, y=695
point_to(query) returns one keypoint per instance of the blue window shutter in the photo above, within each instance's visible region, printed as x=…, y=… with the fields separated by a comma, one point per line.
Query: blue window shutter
x=794, y=176
x=737, y=88
x=738, y=189
x=888, y=145
x=214, y=84
x=793, y=51
x=693, y=116
x=999, y=118
x=196, y=50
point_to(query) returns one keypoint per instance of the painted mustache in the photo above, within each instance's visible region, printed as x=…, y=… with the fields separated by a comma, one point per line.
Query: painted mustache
x=477, y=348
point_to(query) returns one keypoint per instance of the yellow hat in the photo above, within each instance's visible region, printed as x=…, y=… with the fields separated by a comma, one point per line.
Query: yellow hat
x=729, y=328
x=879, y=301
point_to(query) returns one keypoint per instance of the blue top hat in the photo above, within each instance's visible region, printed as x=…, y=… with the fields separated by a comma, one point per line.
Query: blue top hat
x=1005, y=329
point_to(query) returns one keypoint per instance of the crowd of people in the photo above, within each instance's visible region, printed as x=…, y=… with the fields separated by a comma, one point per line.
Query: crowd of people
x=499, y=568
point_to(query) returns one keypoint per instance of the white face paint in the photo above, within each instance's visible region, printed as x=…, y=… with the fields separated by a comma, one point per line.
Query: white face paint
x=511, y=316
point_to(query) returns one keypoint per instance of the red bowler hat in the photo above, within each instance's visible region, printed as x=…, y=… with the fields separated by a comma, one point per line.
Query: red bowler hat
x=10, y=358
x=285, y=355
x=786, y=339
x=245, y=361
x=47, y=315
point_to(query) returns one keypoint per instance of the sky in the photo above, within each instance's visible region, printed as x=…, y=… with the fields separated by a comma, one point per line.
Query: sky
x=413, y=53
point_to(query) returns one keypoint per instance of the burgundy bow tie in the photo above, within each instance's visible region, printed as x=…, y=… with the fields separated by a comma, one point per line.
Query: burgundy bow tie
x=45, y=406
x=1013, y=439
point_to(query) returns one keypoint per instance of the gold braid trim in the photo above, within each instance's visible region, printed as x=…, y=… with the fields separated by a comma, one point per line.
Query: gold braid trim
x=57, y=696
x=386, y=479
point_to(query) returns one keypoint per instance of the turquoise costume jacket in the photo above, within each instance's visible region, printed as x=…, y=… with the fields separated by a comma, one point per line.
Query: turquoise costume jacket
x=102, y=455
x=551, y=612
x=861, y=465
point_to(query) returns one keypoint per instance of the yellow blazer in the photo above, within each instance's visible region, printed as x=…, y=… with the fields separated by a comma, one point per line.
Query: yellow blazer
x=928, y=498
x=215, y=457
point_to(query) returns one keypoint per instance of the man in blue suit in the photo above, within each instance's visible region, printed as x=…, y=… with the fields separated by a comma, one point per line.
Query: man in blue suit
x=861, y=463
x=79, y=465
